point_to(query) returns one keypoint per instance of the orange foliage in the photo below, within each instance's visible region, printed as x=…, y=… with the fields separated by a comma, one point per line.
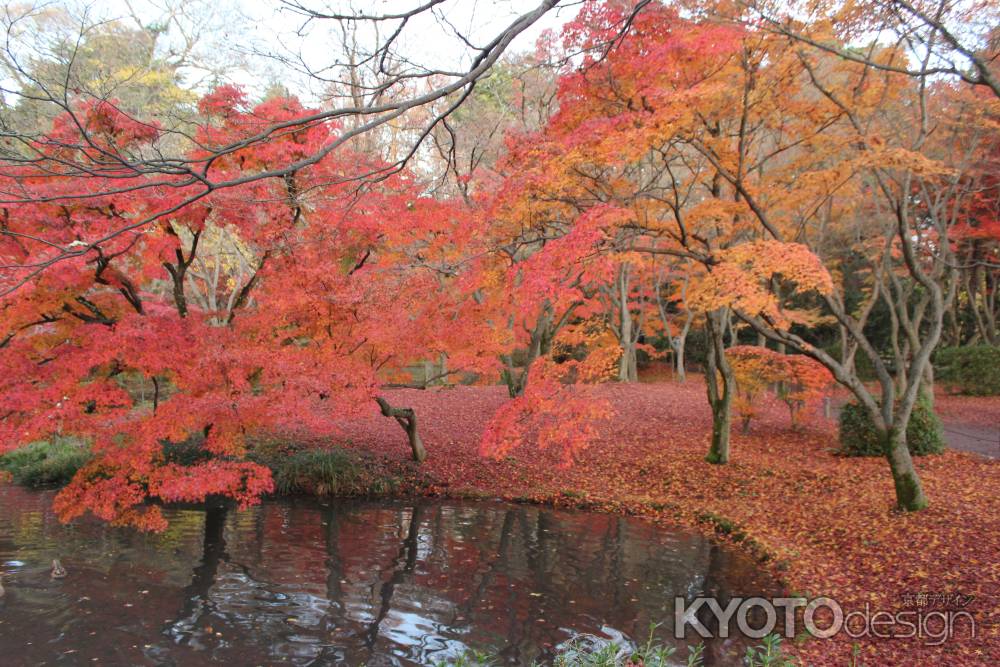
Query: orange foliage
x=798, y=380
x=742, y=280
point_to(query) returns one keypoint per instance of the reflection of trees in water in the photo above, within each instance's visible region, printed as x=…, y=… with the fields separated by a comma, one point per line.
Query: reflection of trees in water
x=431, y=579
x=713, y=588
x=355, y=583
x=198, y=594
x=406, y=563
x=334, y=565
x=495, y=567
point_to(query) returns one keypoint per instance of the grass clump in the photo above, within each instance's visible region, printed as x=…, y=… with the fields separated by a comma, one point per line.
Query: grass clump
x=591, y=652
x=723, y=525
x=469, y=659
x=768, y=654
x=46, y=462
x=611, y=654
x=298, y=470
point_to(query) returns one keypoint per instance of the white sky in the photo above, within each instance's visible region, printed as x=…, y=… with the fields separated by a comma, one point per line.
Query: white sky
x=250, y=27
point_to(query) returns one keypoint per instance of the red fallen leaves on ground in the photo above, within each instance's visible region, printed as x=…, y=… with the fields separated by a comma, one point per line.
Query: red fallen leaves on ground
x=977, y=410
x=826, y=522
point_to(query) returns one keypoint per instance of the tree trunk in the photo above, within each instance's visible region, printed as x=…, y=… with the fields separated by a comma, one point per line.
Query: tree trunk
x=628, y=370
x=416, y=444
x=407, y=419
x=718, y=452
x=719, y=381
x=909, y=491
x=678, y=342
x=627, y=332
x=926, y=392
x=539, y=344
x=680, y=373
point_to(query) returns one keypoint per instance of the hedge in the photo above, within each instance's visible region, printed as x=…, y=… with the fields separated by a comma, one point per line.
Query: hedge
x=971, y=370
x=858, y=436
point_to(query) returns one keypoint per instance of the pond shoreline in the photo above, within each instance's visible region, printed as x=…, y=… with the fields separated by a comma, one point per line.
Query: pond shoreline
x=354, y=475
x=345, y=580
x=819, y=524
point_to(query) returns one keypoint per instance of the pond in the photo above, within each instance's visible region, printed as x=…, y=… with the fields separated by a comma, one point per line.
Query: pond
x=373, y=582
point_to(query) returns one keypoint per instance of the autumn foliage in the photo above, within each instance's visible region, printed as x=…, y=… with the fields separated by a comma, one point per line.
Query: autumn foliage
x=265, y=307
x=694, y=173
x=798, y=381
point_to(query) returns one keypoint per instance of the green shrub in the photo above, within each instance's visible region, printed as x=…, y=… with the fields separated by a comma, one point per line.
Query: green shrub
x=45, y=463
x=768, y=654
x=591, y=653
x=469, y=658
x=323, y=472
x=971, y=370
x=858, y=436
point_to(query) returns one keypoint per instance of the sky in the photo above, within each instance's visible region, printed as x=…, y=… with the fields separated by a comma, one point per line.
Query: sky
x=253, y=31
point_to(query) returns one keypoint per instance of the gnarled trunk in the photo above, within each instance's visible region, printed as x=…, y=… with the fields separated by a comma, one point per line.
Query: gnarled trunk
x=407, y=419
x=539, y=345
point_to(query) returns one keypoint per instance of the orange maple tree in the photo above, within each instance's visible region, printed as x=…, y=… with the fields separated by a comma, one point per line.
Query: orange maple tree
x=782, y=174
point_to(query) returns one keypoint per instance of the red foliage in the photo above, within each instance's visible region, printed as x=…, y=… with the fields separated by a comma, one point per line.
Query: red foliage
x=274, y=305
x=553, y=413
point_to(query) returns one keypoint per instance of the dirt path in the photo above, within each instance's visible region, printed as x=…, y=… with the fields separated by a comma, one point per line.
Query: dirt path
x=971, y=423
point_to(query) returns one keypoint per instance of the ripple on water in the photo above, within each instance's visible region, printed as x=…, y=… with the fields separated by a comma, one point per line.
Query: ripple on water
x=398, y=583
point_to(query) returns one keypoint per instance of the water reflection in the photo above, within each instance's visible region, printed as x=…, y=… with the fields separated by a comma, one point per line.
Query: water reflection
x=377, y=583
